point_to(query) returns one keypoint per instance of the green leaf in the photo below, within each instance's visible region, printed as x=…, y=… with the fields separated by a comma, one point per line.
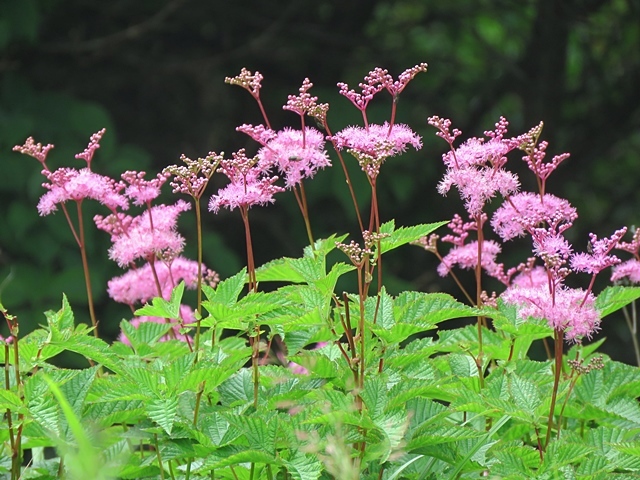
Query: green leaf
x=9, y=400
x=525, y=394
x=62, y=319
x=163, y=412
x=404, y=235
x=303, y=467
x=374, y=395
x=162, y=308
x=614, y=298
x=228, y=290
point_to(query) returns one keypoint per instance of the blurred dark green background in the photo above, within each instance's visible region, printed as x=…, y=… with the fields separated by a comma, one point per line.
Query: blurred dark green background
x=152, y=73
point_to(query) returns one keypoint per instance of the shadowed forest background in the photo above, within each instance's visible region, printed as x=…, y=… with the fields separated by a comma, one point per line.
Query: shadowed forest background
x=152, y=72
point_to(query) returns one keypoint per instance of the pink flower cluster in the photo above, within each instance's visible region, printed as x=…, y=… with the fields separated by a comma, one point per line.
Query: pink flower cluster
x=477, y=169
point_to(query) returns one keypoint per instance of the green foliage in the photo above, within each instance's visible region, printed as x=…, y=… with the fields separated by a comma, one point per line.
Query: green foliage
x=153, y=408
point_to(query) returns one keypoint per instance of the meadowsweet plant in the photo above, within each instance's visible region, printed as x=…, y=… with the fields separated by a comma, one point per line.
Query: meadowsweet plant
x=305, y=381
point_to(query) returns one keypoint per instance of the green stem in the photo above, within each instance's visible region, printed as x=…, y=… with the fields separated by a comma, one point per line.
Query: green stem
x=85, y=268
x=556, y=383
x=199, y=285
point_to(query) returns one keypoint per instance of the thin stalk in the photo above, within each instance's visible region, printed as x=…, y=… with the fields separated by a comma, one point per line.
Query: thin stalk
x=478, y=272
x=199, y=283
x=155, y=437
x=85, y=268
x=632, y=324
x=346, y=174
x=556, y=383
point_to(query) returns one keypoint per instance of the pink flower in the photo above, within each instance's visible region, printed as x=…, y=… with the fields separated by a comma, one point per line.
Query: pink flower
x=373, y=145
x=249, y=185
x=305, y=104
x=466, y=257
x=533, y=278
x=570, y=310
x=475, y=167
x=524, y=211
x=139, y=286
x=149, y=234
x=142, y=191
x=629, y=270
x=295, y=154
x=70, y=184
x=598, y=259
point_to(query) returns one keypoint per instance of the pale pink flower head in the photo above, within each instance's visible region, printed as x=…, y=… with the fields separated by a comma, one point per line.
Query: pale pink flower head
x=139, y=286
x=536, y=151
x=551, y=247
x=466, y=257
x=373, y=83
x=531, y=278
x=94, y=144
x=598, y=258
x=475, y=167
x=149, y=235
x=373, y=145
x=142, y=191
x=70, y=184
x=249, y=185
x=252, y=82
x=629, y=270
x=570, y=310
x=525, y=210
x=296, y=154
x=35, y=150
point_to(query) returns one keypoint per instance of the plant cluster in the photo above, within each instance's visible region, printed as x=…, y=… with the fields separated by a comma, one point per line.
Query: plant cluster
x=302, y=381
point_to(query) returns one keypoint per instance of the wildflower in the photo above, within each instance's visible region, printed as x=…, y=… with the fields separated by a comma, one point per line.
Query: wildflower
x=570, y=310
x=598, y=258
x=139, y=285
x=466, y=257
x=525, y=210
x=249, y=185
x=193, y=177
x=475, y=167
x=306, y=104
x=296, y=154
x=247, y=80
x=373, y=145
x=71, y=184
x=142, y=191
x=149, y=234
x=629, y=269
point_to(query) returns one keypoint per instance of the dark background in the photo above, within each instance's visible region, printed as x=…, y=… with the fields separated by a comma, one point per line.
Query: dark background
x=152, y=73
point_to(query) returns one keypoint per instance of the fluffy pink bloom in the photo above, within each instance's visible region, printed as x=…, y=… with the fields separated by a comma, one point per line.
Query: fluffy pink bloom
x=249, y=185
x=478, y=185
x=70, y=184
x=373, y=145
x=139, y=286
x=475, y=167
x=524, y=211
x=533, y=278
x=186, y=314
x=259, y=133
x=466, y=257
x=598, y=259
x=629, y=270
x=150, y=234
x=295, y=154
x=570, y=310
x=142, y=191
x=550, y=246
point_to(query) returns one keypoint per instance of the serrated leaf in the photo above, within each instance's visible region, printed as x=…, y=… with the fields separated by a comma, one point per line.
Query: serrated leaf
x=405, y=235
x=75, y=390
x=228, y=290
x=63, y=318
x=9, y=400
x=162, y=308
x=374, y=396
x=163, y=412
x=614, y=298
x=256, y=431
x=247, y=456
x=279, y=270
x=525, y=394
x=303, y=467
